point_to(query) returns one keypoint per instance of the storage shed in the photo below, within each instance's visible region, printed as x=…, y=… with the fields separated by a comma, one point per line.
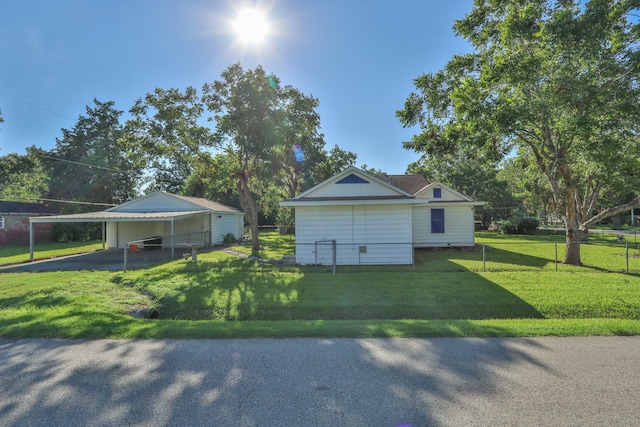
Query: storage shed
x=356, y=218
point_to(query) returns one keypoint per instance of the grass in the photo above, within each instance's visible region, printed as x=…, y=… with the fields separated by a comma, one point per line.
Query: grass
x=18, y=254
x=231, y=297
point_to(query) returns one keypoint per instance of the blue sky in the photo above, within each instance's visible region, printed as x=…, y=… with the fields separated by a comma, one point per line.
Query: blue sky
x=358, y=57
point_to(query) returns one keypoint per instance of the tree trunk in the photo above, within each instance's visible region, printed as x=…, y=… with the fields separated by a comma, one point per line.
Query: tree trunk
x=574, y=235
x=251, y=209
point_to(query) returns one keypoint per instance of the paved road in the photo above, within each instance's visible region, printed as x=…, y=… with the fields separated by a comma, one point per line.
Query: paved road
x=321, y=382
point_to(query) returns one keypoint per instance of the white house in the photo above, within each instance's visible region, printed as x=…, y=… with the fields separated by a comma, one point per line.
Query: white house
x=168, y=218
x=357, y=218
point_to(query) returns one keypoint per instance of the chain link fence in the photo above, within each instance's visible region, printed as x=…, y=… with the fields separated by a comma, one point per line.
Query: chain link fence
x=330, y=256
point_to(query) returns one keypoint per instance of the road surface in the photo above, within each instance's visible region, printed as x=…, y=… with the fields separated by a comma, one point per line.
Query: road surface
x=590, y=381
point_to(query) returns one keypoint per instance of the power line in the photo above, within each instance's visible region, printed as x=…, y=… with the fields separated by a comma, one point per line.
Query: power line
x=36, y=106
x=67, y=201
x=80, y=163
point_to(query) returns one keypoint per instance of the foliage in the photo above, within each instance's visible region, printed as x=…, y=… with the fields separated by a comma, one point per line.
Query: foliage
x=24, y=176
x=91, y=168
x=472, y=174
x=558, y=80
x=257, y=122
x=165, y=131
x=229, y=239
x=519, y=225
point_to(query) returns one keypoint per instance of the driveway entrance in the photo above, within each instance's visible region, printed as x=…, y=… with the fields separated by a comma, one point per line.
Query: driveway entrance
x=108, y=260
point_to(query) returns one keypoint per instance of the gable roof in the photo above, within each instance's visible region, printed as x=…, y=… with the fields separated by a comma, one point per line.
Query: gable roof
x=161, y=201
x=456, y=194
x=347, y=188
x=354, y=176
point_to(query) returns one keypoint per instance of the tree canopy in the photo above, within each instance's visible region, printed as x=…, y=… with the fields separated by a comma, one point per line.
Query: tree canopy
x=556, y=80
x=258, y=124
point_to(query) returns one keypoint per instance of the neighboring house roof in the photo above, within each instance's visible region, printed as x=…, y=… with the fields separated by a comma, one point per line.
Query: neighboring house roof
x=412, y=184
x=25, y=208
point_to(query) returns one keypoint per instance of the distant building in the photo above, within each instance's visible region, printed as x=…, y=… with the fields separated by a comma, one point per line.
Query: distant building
x=14, y=223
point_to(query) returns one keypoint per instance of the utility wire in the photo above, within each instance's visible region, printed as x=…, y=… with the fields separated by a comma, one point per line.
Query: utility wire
x=80, y=163
x=67, y=201
x=36, y=106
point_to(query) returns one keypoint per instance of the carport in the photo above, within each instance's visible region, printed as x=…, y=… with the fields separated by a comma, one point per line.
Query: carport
x=105, y=217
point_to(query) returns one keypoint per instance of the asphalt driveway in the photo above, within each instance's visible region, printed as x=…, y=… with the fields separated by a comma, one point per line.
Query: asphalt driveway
x=108, y=260
x=590, y=381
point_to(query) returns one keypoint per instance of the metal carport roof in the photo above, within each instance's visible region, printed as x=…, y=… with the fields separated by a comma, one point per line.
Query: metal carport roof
x=106, y=216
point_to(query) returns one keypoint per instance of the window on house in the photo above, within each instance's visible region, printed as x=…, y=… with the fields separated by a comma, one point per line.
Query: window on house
x=437, y=220
x=437, y=193
x=1, y=222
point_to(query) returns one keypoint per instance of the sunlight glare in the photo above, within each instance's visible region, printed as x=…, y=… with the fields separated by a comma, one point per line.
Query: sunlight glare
x=251, y=26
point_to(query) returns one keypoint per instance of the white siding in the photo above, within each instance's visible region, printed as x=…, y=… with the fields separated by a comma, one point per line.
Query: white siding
x=128, y=231
x=111, y=235
x=222, y=224
x=375, y=234
x=458, y=227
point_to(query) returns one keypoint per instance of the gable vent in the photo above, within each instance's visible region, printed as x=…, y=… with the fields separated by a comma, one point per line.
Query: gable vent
x=352, y=179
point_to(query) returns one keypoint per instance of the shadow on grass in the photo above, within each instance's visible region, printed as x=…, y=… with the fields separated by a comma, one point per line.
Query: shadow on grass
x=231, y=289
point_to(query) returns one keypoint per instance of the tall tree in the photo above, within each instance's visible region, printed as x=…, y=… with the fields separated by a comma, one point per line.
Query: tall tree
x=559, y=80
x=166, y=132
x=257, y=122
x=90, y=164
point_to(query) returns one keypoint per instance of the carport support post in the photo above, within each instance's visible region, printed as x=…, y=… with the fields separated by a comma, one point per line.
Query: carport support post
x=173, y=249
x=30, y=241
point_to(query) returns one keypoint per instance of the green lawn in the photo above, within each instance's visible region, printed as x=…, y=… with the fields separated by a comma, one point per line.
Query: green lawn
x=18, y=254
x=232, y=297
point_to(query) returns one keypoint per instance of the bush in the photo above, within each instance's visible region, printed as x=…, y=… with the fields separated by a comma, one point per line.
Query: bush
x=519, y=225
x=229, y=239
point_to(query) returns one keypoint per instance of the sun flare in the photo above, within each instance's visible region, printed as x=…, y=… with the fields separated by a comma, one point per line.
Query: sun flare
x=251, y=26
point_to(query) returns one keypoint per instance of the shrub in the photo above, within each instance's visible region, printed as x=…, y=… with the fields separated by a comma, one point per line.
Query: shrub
x=519, y=225
x=229, y=239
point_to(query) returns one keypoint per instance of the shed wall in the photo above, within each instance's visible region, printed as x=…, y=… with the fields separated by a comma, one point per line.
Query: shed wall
x=458, y=227
x=374, y=234
x=223, y=224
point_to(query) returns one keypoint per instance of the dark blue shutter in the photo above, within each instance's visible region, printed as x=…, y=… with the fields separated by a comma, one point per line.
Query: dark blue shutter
x=437, y=220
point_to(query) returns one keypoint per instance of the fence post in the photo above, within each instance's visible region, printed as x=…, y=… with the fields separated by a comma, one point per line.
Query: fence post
x=126, y=246
x=556, y=243
x=484, y=259
x=626, y=250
